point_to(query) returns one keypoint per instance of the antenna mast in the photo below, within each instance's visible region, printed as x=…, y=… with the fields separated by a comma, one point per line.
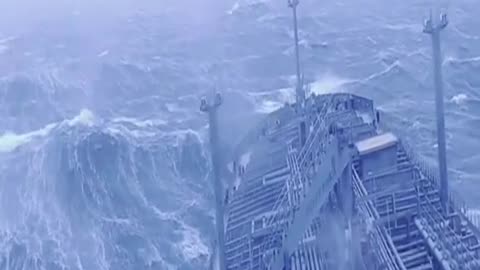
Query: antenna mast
x=433, y=29
x=300, y=93
x=211, y=109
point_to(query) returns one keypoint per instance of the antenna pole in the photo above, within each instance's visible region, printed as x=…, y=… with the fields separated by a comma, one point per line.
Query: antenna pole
x=433, y=29
x=211, y=109
x=300, y=93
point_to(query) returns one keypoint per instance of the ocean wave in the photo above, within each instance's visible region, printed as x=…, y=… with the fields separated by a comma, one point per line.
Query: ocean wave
x=247, y=7
x=328, y=83
x=10, y=141
x=103, y=53
x=192, y=246
x=464, y=35
x=140, y=123
x=416, y=28
x=269, y=101
x=459, y=99
x=89, y=199
x=390, y=68
x=453, y=60
x=84, y=189
x=268, y=106
x=464, y=103
x=303, y=44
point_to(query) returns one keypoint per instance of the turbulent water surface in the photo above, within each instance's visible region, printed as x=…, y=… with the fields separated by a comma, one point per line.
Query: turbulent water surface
x=103, y=153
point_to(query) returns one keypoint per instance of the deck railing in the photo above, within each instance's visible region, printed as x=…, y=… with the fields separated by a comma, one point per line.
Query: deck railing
x=386, y=252
x=296, y=181
x=437, y=225
x=455, y=200
x=308, y=157
x=431, y=172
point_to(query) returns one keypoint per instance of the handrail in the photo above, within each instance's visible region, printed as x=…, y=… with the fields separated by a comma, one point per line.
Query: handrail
x=297, y=183
x=318, y=137
x=293, y=208
x=438, y=225
x=431, y=172
x=318, y=126
x=296, y=175
x=295, y=180
x=455, y=200
x=388, y=252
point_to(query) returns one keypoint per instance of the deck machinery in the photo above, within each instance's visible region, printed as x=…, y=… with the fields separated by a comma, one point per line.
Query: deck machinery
x=324, y=184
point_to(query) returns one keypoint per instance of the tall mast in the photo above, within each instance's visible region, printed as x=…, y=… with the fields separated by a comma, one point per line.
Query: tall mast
x=299, y=93
x=433, y=28
x=211, y=109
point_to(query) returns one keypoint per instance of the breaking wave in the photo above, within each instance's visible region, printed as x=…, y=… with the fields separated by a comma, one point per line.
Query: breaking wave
x=82, y=197
x=10, y=141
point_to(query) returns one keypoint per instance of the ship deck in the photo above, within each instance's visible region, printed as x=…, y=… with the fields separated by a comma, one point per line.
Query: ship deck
x=396, y=220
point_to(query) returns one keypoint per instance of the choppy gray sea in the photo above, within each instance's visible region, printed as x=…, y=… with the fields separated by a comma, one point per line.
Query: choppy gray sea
x=103, y=151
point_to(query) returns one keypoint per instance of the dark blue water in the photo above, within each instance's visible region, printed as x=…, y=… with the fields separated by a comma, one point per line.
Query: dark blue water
x=104, y=157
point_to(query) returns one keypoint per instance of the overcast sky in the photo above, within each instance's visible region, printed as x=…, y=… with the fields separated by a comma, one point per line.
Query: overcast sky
x=22, y=15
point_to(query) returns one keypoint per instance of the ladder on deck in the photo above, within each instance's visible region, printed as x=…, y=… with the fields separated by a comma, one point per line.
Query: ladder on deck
x=295, y=185
x=306, y=198
x=314, y=173
x=290, y=195
x=316, y=195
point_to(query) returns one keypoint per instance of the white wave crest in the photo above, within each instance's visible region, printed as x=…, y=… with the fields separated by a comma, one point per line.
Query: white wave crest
x=403, y=27
x=270, y=101
x=459, y=99
x=328, y=83
x=10, y=141
x=104, y=53
x=192, y=246
x=174, y=107
x=453, y=60
x=244, y=3
x=140, y=123
x=268, y=106
x=381, y=73
x=180, y=136
x=85, y=117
